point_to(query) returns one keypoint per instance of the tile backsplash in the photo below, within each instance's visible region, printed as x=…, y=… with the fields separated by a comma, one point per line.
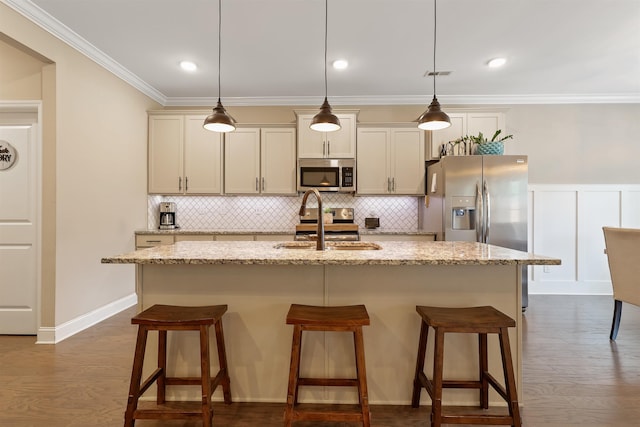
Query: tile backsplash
x=279, y=213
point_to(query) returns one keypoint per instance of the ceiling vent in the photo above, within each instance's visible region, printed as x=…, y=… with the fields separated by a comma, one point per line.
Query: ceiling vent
x=436, y=73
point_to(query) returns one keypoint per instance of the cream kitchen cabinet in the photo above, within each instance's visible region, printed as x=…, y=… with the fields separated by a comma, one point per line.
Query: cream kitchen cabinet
x=340, y=144
x=194, y=238
x=466, y=123
x=260, y=161
x=391, y=160
x=184, y=158
x=151, y=240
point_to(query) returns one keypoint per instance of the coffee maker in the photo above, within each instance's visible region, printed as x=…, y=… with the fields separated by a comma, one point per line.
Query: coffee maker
x=167, y=216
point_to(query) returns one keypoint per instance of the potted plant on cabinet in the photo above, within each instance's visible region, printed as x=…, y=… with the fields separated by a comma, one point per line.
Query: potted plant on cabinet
x=482, y=145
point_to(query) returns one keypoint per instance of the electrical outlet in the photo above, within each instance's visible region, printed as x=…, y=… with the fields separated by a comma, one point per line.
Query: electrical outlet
x=546, y=269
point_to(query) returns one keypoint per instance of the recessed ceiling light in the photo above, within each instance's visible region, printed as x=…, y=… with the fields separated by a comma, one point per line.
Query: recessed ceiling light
x=188, y=66
x=497, y=62
x=340, y=64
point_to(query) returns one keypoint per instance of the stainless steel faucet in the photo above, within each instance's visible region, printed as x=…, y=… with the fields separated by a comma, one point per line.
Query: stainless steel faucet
x=303, y=209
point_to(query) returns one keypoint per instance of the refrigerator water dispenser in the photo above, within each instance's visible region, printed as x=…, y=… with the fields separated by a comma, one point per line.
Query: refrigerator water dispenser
x=463, y=218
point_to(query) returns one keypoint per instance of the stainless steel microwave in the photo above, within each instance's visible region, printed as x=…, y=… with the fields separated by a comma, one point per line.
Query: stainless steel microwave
x=337, y=175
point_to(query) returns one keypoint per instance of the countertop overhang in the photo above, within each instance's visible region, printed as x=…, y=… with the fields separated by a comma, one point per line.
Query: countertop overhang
x=392, y=253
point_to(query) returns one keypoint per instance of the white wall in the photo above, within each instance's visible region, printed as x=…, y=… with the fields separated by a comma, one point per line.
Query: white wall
x=578, y=143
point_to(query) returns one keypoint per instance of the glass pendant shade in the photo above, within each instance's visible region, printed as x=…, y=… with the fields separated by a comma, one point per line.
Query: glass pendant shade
x=434, y=118
x=219, y=120
x=325, y=120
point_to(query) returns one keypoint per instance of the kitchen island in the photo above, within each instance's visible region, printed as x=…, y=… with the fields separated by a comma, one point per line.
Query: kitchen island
x=259, y=280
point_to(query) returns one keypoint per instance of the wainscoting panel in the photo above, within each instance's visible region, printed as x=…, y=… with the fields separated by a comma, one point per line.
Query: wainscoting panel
x=566, y=223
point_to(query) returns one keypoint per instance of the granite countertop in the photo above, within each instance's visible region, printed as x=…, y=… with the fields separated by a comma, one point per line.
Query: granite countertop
x=392, y=253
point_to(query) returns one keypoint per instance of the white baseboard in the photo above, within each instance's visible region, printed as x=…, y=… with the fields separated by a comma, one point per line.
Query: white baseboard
x=49, y=335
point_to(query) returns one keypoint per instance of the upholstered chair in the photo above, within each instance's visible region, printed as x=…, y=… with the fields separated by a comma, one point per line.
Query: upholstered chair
x=623, y=252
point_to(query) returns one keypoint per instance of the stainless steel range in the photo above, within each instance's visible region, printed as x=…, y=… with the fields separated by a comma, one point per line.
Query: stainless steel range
x=342, y=228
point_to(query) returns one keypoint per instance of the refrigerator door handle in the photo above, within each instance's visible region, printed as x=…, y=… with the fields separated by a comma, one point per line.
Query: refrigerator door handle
x=479, y=211
x=487, y=211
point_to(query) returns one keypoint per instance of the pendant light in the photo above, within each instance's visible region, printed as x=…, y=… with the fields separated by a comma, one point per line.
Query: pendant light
x=325, y=120
x=434, y=118
x=219, y=120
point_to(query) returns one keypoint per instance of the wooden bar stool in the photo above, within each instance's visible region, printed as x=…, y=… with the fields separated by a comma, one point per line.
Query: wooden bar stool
x=315, y=318
x=163, y=318
x=478, y=320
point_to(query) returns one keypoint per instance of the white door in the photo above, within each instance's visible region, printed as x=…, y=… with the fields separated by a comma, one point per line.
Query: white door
x=18, y=230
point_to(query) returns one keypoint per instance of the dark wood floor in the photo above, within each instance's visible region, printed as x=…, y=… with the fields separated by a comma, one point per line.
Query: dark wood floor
x=573, y=375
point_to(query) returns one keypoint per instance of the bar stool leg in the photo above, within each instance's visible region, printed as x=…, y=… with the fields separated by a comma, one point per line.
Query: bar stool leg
x=484, y=369
x=222, y=360
x=509, y=377
x=422, y=349
x=438, y=362
x=136, y=376
x=205, y=375
x=161, y=383
x=292, y=391
x=363, y=393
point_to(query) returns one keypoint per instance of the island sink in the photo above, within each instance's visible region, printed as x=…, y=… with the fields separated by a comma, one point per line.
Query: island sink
x=344, y=246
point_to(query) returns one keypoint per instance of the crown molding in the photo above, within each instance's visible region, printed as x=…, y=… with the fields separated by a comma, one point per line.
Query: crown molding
x=411, y=100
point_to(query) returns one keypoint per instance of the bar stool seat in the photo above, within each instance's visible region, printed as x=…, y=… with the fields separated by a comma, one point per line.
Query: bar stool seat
x=163, y=318
x=319, y=318
x=479, y=320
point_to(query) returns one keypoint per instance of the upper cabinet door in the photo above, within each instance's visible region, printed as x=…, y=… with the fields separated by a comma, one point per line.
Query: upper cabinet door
x=202, y=158
x=407, y=161
x=311, y=144
x=166, y=138
x=457, y=129
x=373, y=176
x=278, y=161
x=340, y=144
x=242, y=161
x=487, y=123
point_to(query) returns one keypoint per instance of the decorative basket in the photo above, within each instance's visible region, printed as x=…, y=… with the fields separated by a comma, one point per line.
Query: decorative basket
x=495, y=148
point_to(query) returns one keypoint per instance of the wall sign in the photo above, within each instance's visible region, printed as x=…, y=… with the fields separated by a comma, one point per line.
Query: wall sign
x=8, y=155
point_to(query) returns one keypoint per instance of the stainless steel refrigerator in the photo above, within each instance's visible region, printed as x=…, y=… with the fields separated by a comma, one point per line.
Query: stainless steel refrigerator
x=479, y=198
